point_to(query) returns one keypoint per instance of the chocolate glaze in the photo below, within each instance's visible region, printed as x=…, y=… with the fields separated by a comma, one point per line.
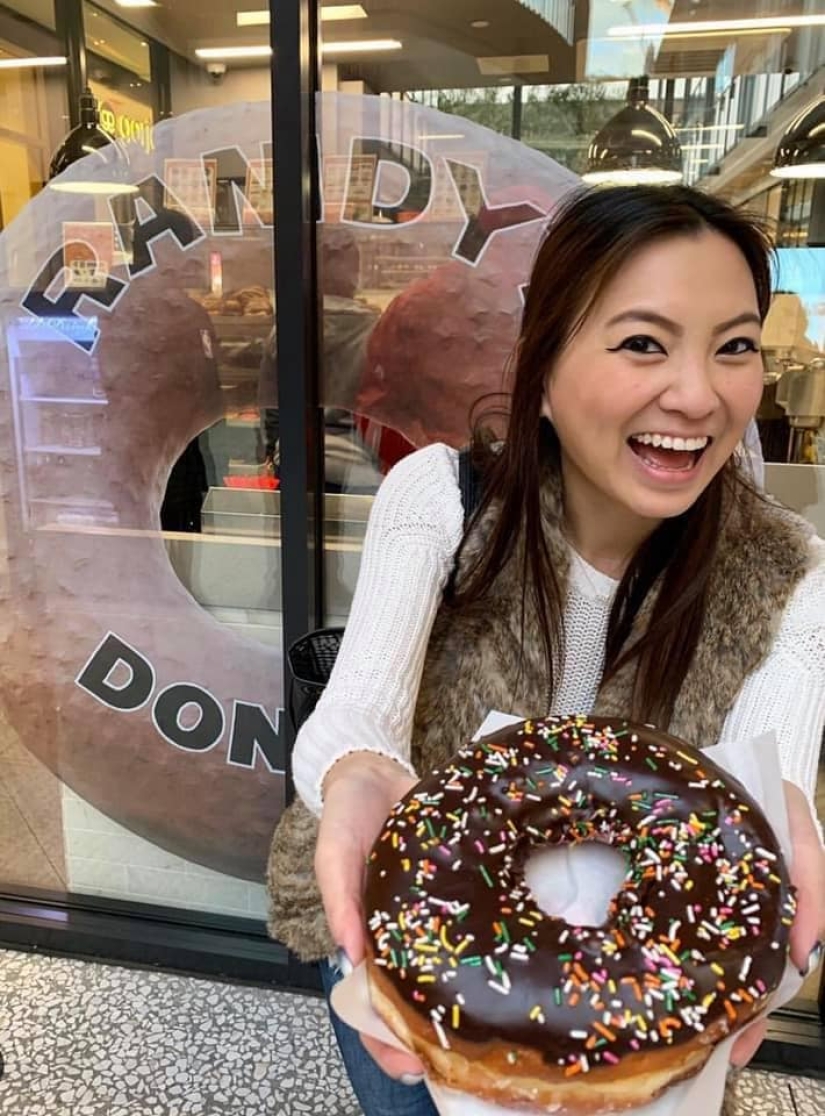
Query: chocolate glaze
x=696, y=938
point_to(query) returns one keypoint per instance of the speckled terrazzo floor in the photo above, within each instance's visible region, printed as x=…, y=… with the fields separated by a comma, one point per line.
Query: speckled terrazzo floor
x=82, y=1039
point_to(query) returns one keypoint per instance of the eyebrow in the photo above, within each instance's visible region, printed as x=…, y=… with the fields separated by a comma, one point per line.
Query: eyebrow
x=748, y=317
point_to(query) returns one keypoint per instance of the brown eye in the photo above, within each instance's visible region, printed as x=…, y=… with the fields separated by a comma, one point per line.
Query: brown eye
x=739, y=346
x=640, y=343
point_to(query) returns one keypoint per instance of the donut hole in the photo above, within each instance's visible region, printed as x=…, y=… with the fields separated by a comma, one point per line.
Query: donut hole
x=576, y=882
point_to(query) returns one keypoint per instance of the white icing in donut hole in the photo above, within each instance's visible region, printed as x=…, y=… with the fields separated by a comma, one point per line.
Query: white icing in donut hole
x=576, y=882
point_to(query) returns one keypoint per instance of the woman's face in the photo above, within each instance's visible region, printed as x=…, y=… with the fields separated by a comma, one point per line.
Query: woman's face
x=653, y=394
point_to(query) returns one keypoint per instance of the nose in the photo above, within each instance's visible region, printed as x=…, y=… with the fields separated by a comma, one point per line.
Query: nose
x=691, y=390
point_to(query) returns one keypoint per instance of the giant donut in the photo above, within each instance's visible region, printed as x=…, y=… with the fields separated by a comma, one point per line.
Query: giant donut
x=89, y=585
x=508, y=1003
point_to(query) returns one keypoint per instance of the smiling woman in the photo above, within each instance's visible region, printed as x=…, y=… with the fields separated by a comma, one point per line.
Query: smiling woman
x=172, y=384
x=680, y=394
x=618, y=564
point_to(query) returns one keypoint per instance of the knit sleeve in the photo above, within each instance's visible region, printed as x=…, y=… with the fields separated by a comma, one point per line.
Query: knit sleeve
x=414, y=530
x=787, y=693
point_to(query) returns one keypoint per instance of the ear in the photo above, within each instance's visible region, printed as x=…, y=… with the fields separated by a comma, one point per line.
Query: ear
x=546, y=409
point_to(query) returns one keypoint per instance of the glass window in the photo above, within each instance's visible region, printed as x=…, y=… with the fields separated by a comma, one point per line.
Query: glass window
x=143, y=757
x=32, y=107
x=38, y=11
x=110, y=39
x=141, y=556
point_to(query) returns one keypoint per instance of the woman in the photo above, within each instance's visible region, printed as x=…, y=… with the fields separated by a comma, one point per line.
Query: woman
x=618, y=563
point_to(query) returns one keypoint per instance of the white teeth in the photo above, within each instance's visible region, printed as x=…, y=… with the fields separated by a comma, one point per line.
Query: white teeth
x=666, y=442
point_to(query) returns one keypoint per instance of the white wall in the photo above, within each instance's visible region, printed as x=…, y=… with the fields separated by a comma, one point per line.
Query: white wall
x=193, y=88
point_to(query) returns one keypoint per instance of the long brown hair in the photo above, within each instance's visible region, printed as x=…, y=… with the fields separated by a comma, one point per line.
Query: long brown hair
x=591, y=235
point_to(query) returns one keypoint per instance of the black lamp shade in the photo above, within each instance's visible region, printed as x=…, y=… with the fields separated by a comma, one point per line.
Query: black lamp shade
x=801, y=151
x=636, y=145
x=107, y=171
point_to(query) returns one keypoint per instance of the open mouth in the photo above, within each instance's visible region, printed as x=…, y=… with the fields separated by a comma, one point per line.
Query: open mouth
x=673, y=455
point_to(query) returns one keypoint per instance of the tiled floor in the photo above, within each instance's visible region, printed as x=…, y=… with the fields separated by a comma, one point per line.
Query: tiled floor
x=82, y=1039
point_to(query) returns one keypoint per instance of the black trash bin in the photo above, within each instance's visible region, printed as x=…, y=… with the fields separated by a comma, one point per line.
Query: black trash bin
x=311, y=659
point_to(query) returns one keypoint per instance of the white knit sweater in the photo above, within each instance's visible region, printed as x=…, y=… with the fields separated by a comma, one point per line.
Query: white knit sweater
x=414, y=530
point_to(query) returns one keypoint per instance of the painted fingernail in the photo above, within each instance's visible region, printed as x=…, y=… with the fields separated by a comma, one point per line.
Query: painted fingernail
x=411, y=1078
x=342, y=962
x=814, y=957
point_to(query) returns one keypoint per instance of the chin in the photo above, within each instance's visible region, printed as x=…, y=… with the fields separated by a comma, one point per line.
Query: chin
x=664, y=506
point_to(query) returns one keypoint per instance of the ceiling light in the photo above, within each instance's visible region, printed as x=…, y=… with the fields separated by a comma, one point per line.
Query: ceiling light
x=637, y=145
x=765, y=25
x=801, y=151
x=252, y=19
x=775, y=30
x=480, y=24
x=219, y=53
x=329, y=14
x=136, y=3
x=510, y=64
x=635, y=176
x=357, y=46
x=29, y=63
x=332, y=13
x=109, y=189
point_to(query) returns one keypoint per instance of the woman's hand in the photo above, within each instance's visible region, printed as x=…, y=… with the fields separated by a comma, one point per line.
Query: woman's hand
x=808, y=876
x=359, y=792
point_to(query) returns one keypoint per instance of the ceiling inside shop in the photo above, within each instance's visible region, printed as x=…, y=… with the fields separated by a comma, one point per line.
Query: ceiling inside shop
x=694, y=55
x=454, y=43
x=440, y=45
x=110, y=39
x=471, y=43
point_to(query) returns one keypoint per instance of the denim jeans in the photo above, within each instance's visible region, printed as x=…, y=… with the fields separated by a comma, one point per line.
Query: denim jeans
x=378, y=1094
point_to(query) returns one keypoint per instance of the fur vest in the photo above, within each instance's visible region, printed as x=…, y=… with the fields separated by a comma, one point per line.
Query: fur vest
x=474, y=664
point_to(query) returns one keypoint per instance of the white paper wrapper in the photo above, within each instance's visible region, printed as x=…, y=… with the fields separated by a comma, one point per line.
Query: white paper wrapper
x=557, y=873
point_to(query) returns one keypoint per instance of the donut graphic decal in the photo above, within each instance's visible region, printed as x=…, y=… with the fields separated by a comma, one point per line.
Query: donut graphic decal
x=114, y=361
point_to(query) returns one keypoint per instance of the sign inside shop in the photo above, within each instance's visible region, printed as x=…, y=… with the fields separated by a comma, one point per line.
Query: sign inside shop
x=407, y=184
x=127, y=128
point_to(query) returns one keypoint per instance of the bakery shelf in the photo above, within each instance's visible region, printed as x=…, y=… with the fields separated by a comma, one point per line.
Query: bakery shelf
x=79, y=400
x=74, y=502
x=66, y=451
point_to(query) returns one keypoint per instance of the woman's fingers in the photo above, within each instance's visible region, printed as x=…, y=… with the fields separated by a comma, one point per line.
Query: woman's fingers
x=748, y=1043
x=392, y=1061
x=808, y=875
x=359, y=792
x=339, y=869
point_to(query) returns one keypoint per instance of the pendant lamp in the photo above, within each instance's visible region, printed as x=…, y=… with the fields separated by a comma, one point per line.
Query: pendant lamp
x=637, y=145
x=105, y=172
x=801, y=151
